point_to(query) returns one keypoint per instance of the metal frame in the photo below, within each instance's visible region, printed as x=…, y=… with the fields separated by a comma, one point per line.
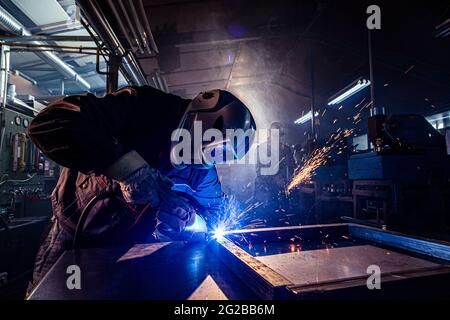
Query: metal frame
x=9, y=23
x=96, y=20
x=268, y=284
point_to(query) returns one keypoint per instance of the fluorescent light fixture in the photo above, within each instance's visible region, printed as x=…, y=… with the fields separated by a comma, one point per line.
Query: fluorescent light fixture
x=348, y=91
x=434, y=120
x=305, y=118
x=443, y=29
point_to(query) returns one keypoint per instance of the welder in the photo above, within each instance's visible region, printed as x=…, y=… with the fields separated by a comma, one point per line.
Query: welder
x=119, y=185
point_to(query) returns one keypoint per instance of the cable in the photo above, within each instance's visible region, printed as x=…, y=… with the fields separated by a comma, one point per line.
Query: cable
x=84, y=214
x=17, y=181
x=3, y=223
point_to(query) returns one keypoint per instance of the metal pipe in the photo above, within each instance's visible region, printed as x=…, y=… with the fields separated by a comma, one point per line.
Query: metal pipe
x=21, y=49
x=158, y=79
x=112, y=79
x=131, y=27
x=313, y=102
x=155, y=83
x=139, y=26
x=8, y=23
x=97, y=64
x=162, y=85
x=24, y=76
x=48, y=38
x=129, y=66
x=51, y=46
x=166, y=87
x=4, y=68
x=19, y=103
x=121, y=25
x=373, y=108
x=147, y=26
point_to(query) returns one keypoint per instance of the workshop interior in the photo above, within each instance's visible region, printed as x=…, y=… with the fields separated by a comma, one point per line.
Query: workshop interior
x=357, y=91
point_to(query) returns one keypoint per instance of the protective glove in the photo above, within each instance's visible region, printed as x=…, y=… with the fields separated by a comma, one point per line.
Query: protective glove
x=141, y=184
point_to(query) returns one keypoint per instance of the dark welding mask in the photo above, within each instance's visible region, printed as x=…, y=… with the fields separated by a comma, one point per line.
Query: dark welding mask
x=217, y=128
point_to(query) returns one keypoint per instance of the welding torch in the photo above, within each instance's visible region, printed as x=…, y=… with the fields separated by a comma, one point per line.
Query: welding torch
x=195, y=232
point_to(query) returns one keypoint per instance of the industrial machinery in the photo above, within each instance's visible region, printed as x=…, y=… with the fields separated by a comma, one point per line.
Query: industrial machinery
x=396, y=176
x=404, y=182
x=405, y=134
x=27, y=179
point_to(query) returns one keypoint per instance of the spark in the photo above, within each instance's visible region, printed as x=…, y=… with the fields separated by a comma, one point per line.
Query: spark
x=318, y=157
x=232, y=217
x=218, y=233
x=409, y=69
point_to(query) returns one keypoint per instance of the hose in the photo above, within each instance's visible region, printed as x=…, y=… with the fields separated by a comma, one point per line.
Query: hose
x=103, y=194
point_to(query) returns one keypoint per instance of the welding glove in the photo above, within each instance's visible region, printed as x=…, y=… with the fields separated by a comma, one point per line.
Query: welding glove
x=141, y=184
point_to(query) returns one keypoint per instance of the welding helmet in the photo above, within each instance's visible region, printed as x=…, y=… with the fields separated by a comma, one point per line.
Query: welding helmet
x=219, y=127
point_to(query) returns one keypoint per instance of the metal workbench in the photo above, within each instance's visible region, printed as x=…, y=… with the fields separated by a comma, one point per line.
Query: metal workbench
x=173, y=271
x=302, y=262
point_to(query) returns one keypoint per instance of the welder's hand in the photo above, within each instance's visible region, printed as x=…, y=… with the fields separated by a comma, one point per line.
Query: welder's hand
x=175, y=212
x=141, y=184
x=146, y=185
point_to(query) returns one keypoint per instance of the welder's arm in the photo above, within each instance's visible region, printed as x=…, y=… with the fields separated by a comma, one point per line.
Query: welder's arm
x=206, y=193
x=86, y=132
x=147, y=185
x=80, y=132
x=209, y=193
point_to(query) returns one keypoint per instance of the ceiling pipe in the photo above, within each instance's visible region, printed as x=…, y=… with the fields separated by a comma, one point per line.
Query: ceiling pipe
x=155, y=83
x=141, y=30
x=7, y=22
x=47, y=38
x=165, y=85
x=134, y=43
x=148, y=30
x=160, y=83
x=129, y=66
x=24, y=76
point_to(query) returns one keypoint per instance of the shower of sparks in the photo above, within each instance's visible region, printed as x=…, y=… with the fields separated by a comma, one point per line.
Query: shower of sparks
x=232, y=218
x=321, y=156
x=318, y=157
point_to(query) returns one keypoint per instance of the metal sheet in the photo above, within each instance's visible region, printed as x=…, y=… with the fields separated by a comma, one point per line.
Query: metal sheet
x=316, y=266
x=173, y=271
x=320, y=265
x=208, y=290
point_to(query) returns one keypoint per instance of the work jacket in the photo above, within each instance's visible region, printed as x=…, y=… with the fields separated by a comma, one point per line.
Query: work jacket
x=86, y=134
